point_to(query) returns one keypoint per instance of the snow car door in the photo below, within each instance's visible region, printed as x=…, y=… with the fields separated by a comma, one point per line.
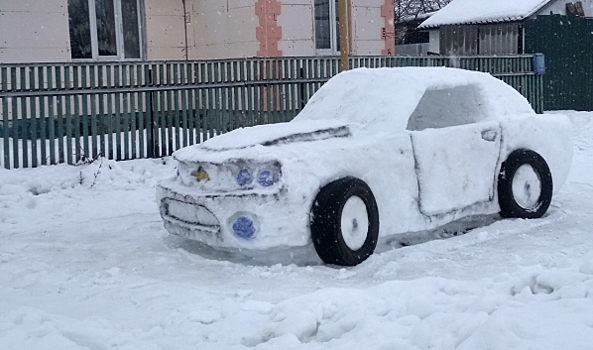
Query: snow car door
x=456, y=165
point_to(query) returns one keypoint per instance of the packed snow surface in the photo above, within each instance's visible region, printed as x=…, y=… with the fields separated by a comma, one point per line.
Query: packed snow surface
x=85, y=263
x=483, y=11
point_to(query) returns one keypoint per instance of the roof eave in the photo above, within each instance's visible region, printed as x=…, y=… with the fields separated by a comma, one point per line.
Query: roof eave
x=489, y=21
x=502, y=20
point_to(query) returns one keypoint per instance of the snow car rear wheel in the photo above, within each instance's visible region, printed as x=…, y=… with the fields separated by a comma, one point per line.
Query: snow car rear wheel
x=524, y=186
x=345, y=222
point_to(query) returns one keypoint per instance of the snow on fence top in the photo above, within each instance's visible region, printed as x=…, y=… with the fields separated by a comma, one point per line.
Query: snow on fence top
x=483, y=11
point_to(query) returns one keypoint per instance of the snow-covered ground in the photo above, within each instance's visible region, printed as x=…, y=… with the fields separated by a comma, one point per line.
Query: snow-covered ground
x=85, y=263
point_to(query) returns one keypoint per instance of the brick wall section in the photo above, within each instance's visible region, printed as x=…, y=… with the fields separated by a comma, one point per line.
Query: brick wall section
x=268, y=33
x=387, y=12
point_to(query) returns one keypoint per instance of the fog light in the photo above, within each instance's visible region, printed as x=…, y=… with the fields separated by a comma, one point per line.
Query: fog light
x=244, y=227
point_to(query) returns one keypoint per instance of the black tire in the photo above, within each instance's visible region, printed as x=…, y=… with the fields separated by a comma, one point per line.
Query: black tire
x=326, y=218
x=509, y=206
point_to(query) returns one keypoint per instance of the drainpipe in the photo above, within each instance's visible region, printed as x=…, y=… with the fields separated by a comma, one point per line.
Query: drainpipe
x=344, y=33
x=185, y=23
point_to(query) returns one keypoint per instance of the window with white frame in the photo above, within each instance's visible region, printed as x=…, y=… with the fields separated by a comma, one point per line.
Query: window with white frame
x=327, y=26
x=105, y=29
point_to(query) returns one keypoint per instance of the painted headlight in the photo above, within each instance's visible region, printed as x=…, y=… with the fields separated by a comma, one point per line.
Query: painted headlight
x=244, y=227
x=201, y=174
x=245, y=177
x=267, y=177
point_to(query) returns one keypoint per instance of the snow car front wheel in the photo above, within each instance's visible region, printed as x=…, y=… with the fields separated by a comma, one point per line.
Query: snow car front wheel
x=345, y=222
x=524, y=186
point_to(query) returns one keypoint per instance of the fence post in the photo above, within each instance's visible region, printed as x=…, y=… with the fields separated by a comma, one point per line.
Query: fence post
x=151, y=143
x=5, y=121
x=301, y=87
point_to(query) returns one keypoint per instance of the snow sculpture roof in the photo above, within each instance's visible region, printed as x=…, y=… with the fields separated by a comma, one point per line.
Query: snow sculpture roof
x=382, y=97
x=483, y=11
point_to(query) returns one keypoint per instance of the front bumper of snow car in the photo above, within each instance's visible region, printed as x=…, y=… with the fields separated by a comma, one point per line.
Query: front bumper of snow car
x=233, y=220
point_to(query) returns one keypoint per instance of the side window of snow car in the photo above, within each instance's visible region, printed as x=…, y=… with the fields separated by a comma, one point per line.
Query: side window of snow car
x=441, y=108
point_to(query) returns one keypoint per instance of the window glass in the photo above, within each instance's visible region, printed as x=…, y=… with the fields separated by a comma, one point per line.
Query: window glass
x=106, y=37
x=322, y=24
x=80, y=29
x=105, y=28
x=129, y=10
x=442, y=108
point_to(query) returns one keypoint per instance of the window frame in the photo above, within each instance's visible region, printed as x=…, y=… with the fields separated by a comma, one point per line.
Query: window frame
x=119, y=35
x=333, y=31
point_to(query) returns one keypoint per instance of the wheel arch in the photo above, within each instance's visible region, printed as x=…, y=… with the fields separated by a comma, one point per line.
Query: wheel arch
x=547, y=135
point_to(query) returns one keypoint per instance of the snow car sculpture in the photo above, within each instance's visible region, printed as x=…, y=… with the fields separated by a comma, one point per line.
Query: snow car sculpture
x=375, y=152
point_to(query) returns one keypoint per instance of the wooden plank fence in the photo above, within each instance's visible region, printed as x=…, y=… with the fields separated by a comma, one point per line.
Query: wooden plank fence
x=72, y=112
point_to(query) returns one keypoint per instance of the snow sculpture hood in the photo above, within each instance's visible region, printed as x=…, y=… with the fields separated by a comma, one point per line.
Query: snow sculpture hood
x=277, y=134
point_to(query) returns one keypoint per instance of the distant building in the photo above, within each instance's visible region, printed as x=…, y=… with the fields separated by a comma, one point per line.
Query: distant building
x=115, y=30
x=489, y=27
x=409, y=39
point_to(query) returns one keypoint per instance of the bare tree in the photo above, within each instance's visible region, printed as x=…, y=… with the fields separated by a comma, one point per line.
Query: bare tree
x=408, y=15
x=410, y=9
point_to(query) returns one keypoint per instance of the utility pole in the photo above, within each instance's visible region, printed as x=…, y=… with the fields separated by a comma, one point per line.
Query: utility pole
x=344, y=9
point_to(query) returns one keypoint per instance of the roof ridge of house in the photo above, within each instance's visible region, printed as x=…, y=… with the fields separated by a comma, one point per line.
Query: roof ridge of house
x=467, y=18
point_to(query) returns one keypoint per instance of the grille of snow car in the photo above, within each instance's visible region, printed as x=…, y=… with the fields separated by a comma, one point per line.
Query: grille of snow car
x=238, y=175
x=190, y=213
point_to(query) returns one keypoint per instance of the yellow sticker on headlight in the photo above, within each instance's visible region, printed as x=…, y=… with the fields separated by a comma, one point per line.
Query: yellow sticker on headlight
x=200, y=174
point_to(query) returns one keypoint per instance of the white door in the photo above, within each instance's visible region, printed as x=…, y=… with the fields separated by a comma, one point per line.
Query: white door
x=456, y=166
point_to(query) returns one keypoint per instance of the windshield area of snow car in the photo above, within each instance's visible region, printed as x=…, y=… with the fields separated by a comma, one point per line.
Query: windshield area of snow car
x=440, y=108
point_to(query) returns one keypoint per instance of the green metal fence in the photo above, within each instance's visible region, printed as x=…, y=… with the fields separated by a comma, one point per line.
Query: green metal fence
x=68, y=113
x=567, y=43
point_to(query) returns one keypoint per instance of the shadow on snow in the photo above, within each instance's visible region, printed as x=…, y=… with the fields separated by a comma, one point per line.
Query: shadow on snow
x=306, y=256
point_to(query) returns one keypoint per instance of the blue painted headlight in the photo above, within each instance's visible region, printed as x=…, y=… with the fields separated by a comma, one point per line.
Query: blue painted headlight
x=245, y=177
x=267, y=177
x=244, y=227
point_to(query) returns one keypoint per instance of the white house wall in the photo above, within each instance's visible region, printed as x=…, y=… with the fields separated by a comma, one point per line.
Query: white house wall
x=367, y=27
x=231, y=28
x=38, y=30
x=298, y=29
x=34, y=31
x=215, y=29
x=223, y=29
x=165, y=33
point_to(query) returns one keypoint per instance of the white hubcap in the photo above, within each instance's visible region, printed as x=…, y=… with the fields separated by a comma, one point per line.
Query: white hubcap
x=527, y=187
x=355, y=223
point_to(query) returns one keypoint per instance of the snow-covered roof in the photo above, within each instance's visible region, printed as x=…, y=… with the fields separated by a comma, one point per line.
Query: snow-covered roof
x=483, y=11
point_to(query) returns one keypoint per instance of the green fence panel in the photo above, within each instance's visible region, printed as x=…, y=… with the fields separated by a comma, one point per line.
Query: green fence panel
x=567, y=44
x=74, y=112
x=15, y=120
x=5, y=118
